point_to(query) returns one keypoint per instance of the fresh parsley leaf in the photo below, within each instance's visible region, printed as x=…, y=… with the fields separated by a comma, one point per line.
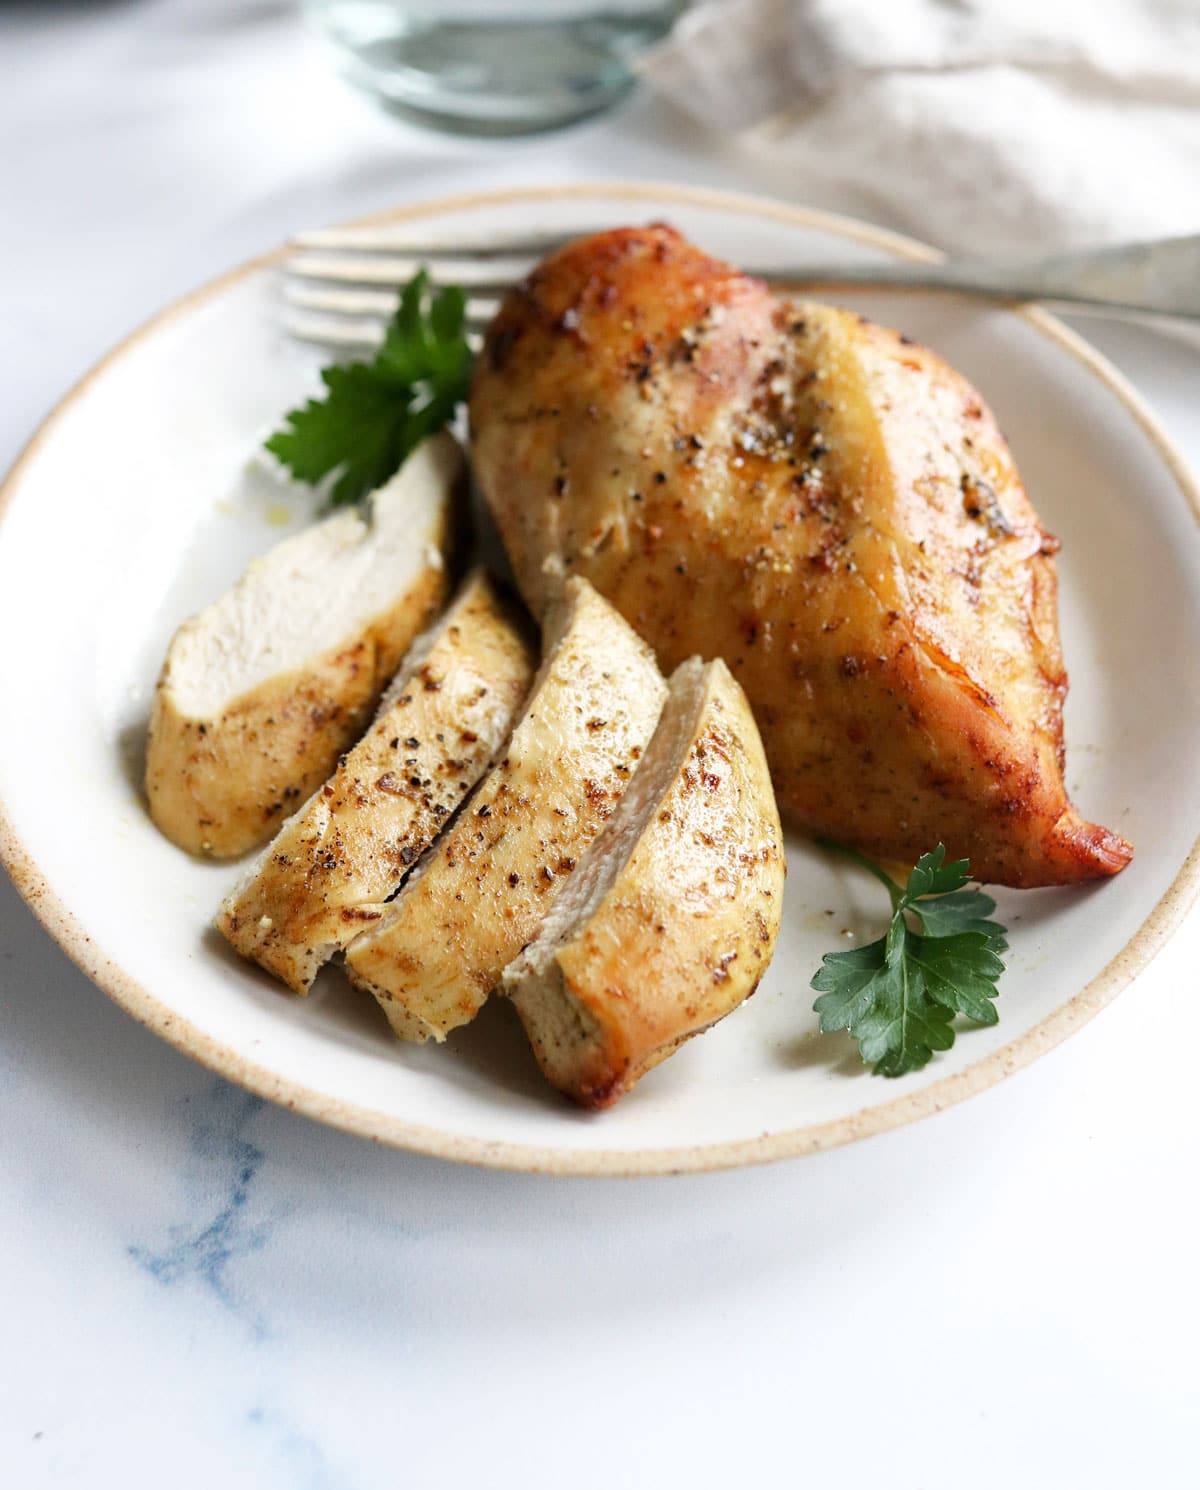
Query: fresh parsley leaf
x=963, y=910
x=850, y=982
x=931, y=875
x=898, y=996
x=882, y=1002
x=356, y=428
x=959, y=972
x=376, y=413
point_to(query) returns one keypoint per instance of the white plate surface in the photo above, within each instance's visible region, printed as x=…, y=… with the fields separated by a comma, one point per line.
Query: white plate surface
x=142, y=497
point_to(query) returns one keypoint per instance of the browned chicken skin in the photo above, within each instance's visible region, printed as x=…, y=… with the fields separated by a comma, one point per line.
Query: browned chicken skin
x=821, y=502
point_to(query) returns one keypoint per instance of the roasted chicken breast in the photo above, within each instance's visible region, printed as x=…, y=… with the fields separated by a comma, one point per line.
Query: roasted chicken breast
x=671, y=917
x=817, y=500
x=468, y=909
x=262, y=691
x=329, y=871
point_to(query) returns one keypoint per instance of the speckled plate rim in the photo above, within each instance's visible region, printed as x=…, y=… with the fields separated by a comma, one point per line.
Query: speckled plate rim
x=56, y=917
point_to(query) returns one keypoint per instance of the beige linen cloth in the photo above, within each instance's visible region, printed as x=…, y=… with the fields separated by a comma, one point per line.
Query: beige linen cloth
x=988, y=126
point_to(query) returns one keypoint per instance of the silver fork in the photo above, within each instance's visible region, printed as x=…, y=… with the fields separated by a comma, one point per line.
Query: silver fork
x=341, y=283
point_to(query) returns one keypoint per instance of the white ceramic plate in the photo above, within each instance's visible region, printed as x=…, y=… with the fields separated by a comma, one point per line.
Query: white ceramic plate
x=141, y=498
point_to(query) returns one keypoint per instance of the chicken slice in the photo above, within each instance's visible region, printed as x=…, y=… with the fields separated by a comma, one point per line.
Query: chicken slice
x=331, y=868
x=465, y=912
x=817, y=500
x=671, y=918
x=262, y=691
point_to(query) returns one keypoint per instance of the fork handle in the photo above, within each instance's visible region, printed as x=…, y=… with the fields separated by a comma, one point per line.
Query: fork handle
x=1158, y=278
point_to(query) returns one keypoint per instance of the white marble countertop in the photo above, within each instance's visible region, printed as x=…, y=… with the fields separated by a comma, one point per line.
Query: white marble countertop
x=198, y=1289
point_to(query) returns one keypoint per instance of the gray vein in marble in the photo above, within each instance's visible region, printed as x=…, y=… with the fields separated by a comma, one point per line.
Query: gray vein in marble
x=224, y=1158
x=301, y=1455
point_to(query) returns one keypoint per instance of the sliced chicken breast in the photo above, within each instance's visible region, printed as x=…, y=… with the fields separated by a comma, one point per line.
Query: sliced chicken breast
x=464, y=914
x=671, y=918
x=262, y=691
x=330, y=870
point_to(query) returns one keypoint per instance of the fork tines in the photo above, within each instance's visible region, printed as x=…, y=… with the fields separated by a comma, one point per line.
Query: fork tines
x=397, y=238
x=342, y=282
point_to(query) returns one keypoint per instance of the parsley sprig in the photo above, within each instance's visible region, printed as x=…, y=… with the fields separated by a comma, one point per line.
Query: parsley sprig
x=376, y=413
x=898, y=996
